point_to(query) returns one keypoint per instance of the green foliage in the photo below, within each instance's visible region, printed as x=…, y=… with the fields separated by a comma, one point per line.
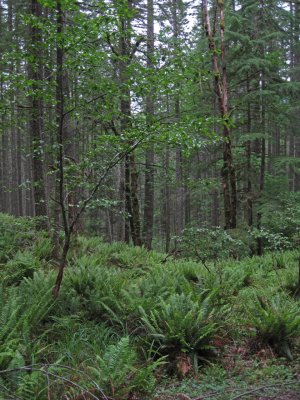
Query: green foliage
x=271, y=240
x=22, y=265
x=21, y=314
x=31, y=386
x=281, y=217
x=96, y=291
x=15, y=233
x=206, y=244
x=122, y=308
x=276, y=321
x=181, y=325
x=43, y=248
x=118, y=371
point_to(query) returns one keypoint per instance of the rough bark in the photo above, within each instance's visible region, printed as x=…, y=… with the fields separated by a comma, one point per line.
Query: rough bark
x=60, y=179
x=132, y=220
x=149, y=157
x=248, y=189
x=35, y=74
x=221, y=85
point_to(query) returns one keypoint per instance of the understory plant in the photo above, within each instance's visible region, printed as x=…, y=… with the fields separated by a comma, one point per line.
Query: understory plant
x=179, y=325
x=276, y=321
x=119, y=372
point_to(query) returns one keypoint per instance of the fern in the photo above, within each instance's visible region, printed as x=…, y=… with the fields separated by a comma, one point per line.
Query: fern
x=181, y=325
x=118, y=372
x=21, y=266
x=19, y=316
x=276, y=321
x=114, y=366
x=31, y=386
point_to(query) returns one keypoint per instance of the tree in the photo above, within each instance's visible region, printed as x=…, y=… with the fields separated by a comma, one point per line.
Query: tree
x=221, y=87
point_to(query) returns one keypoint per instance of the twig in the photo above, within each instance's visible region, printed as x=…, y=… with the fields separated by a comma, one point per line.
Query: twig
x=294, y=382
x=230, y=390
x=48, y=385
x=34, y=367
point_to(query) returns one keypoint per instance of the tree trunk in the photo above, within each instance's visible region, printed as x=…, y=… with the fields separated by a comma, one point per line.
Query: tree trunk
x=228, y=170
x=249, y=203
x=262, y=164
x=149, y=168
x=132, y=220
x=35, y=75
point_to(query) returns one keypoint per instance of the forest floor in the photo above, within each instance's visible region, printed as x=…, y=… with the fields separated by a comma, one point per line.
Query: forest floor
x=261, y=376
x=134, y=326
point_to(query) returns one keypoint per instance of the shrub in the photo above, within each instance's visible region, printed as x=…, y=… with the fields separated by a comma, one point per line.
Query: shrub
x=119, y=373
x=15, y=234
x=23, y=265
x=207, y=244
x=43, y=248
x=276, y=321
x=180, y=325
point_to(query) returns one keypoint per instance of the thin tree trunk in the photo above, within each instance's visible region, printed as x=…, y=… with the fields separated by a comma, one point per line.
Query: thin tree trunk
x=149, y=172
x=167, y=203
x=262, y=166
x=60, y=195
x=35, y=74
x=132, y=208
x=248, y=163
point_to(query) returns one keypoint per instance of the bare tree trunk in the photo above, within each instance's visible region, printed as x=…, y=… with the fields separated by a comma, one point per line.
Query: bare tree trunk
x=35, y=74
x=135, y=218
x=60, y=194
x=179, y=194
x=132, y=220
x=149, y=172
x=262, y=164
x=296, y=78
x=228, y=170
x=167, y=203
x=249, y=202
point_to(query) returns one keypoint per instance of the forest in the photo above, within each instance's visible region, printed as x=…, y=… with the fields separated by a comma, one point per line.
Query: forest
x=149, y=199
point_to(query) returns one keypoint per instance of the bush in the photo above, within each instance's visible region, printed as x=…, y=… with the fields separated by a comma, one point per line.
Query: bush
x=180, y=325
x=15, y=234
x=23, y=265
x=207, y=244
x=119, y=373
x=276, y=321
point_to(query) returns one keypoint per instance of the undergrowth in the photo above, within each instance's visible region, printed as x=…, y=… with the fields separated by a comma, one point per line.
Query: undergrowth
x=128, y=320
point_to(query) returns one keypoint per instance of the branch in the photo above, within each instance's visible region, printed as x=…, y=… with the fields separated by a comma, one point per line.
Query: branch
x=38, y=367
x=111, y=46
x=101, y=96
x=239, y=396
x=135, y=47
x=118, y=157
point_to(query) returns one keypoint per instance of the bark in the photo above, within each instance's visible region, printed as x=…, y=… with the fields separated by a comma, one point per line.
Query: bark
x=167, y=203
x=3, y=165
x=262, y=165
x=296, y=78
x=149, y=168
x=132, y=219
x=220, y=74
x=14, y=202
x=60, y=191
x=35, y=125
x=179, y=195
x=249, y=202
